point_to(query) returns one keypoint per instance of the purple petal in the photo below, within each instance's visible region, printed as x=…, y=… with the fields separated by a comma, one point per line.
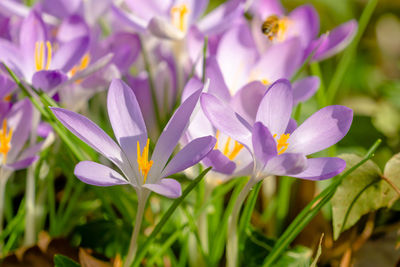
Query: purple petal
x=292, y=125
x=90, y=133
x=221, y=18
x=217, y=83
x=219, y=162
x=61, y=8
x=305, y=23
x=71, y=28
x=322, y=168
x=33, y=30
x=323, y=129
x=31, y=151
x=20, y=119
x=70, y=53
x=137, y=23
x=336, y=40
x=286, y=164
x=279, y=61
x=10, y=54
x=276, y=106
x=163, y=29
x=225, y=119
x=6, y=86
x=97, y=174
x=190, y=155
x=48, y=79
x=126, y=49
x=193, y=85
x=126, y=118
x=264, y=145
x=22, y=164
x=265, y=9
x=172, y=133
x=247, y=100
x=167, y=187
x=305, y=88
x=44, y=129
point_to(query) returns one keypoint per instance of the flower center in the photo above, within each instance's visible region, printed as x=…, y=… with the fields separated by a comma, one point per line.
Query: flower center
x=40, y=62
x=282, y=143
x=81, y=66
x=265, y=82
x=275, y=28
x=229, y=152
x=179, y=16
x=5, y=140
x=143, y=160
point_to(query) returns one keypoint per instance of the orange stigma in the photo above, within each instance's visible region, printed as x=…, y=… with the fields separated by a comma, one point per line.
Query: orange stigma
x=143, y=160
x=282, y=143
x=5, y=140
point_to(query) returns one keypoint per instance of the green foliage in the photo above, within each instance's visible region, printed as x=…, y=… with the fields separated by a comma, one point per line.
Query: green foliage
x=363, y=191
x=257, y=246
x=63, y=261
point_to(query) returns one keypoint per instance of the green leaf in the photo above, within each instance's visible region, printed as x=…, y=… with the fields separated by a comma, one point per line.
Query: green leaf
x=257, y=247
x=363, y=191
x=319, y=251
x=63, y=261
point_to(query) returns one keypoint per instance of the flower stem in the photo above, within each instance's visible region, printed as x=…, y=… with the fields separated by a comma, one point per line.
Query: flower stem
x=142, y=199
x=30, y=207
x=232, y=238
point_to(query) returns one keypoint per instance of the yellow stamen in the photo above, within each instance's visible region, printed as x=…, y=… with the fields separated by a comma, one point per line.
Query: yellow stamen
x=231, y=155
x=178, y=15
x=265, y=81
x=39, y=55
x=144, y=164
x=81, y=66
x=5, y=140
x=282, y=144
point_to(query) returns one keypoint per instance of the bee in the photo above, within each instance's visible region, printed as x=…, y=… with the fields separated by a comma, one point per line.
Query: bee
x=270, y=27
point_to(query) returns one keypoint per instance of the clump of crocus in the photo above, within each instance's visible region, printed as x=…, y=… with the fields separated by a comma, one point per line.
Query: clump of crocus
x=276, y=147
x=132, y=154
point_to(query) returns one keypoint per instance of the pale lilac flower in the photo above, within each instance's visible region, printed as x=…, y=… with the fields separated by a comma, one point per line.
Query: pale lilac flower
x=171, y=19
x=278, y=148
x=302, y=22
x=36, y=60
x=131, y=154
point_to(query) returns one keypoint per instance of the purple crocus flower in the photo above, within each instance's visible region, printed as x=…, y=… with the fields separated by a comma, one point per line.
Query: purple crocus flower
x=35, y=60
x=277, y=148
x=171, y=19
x=16, y=125
x=131, y=154
x=271, y=25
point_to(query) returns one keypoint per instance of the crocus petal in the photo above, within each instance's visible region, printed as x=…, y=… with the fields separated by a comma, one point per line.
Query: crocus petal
x=292, y=125
x=278, y=61
x=11, y=56
x=137, y=23
x=286, y=164
x=276, y=106
x=218, y=86
x=167, y=187
x=247, y=100
x=305, y=88
x=322, y=168
x=190, y=155
x=336, y=40
x=221, y=18
x=31, y=151
x=193, y=85
x=61, y=8
x=22, y=164
x=20, y=119
x=225, y=119
x=164, y=29
x=219, y=162
x=71, y=28
x=264, y=145
x=172, y=133
x=70, y=53
x=33, y=30
x=94, y=173
x=126, y=118
x=90, y=133
x=48, y=79
x=265, y=9
x=126, y=48
x=323, y=129
x=305, y=23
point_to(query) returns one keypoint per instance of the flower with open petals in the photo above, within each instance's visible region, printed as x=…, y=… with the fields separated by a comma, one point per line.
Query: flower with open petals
x=132, y=154
x=277, y=146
